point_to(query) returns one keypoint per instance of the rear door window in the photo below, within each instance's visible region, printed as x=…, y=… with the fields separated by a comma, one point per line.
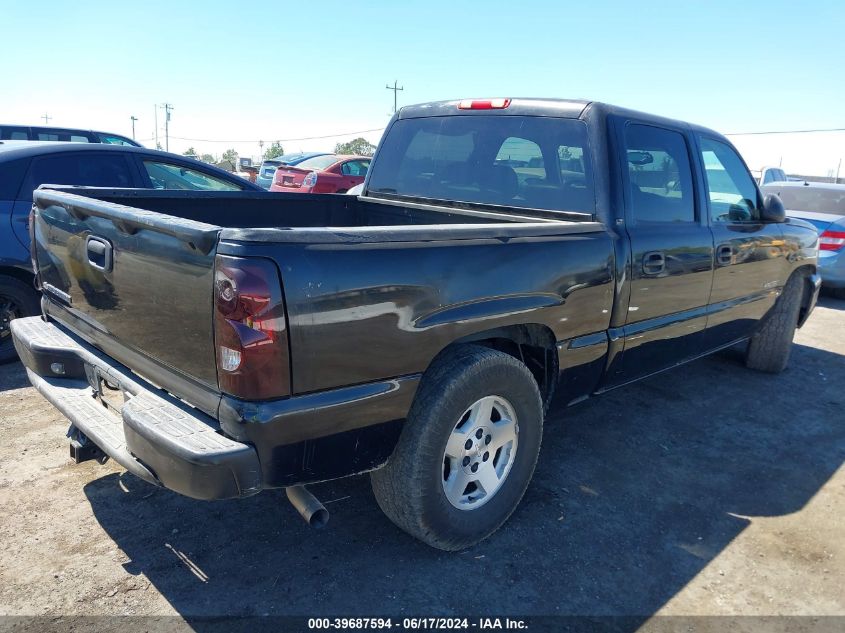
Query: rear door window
x=512, y=161
x=52, y=134
x=659, y=175
x=14, y=133
x=83, y=168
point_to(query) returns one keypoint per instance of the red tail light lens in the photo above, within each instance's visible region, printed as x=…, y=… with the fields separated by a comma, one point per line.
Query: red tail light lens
x=250, y=329
x=310, y=179
x=831, y=240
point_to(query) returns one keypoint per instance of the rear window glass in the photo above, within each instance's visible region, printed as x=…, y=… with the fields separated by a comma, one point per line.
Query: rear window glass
x=318, y=162
x=513, y=161
x=809, y=198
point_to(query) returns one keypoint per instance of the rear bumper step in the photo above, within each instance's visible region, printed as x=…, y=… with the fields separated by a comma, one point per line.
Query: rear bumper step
x=151, y=434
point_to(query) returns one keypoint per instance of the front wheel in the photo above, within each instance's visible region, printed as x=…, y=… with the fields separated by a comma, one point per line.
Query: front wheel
x=468, y=449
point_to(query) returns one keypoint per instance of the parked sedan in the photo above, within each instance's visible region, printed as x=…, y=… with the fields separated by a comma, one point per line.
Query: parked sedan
x=823, y=205
x=331, y=173
x=26, y=165
x=43, y=133
x=268, y=167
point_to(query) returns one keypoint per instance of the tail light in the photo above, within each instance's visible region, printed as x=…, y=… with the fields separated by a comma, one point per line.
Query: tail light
x=250, y=329
x=310, y=179
x=831, y=240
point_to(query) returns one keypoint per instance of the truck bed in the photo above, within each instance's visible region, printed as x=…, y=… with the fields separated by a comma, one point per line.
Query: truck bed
x=375, y=273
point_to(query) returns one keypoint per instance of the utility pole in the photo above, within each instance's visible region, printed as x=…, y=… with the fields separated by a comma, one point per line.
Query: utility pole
x=167, y=108
x=395, y=88
x=133, y=118
x=46, y=118
x=261, y=149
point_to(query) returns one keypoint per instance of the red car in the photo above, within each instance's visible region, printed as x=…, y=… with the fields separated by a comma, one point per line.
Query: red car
x=330, y=173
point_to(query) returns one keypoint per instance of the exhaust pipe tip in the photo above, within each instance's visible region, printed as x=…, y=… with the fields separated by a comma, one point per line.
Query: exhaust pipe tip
x=308, y=506
x=319, y=519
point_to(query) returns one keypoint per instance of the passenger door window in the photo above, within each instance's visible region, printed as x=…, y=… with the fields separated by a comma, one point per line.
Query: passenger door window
x=659, y=175
x=730, y=188
x=171, y=176
x=355, y=168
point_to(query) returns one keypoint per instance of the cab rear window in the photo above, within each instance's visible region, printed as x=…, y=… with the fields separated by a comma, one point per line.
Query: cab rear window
x=513, y=161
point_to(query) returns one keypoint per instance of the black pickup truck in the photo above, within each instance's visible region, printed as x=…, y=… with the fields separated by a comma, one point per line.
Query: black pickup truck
x=503, y=252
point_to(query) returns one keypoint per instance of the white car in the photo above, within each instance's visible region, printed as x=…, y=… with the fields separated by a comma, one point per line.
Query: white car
x=767, y=175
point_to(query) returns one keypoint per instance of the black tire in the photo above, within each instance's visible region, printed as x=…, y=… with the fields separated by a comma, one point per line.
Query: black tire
x=770, y=346
x=409, y=489
x=16, y=300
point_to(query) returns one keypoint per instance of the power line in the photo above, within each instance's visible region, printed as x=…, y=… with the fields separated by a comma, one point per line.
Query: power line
x=278, y=140
x=832, y=129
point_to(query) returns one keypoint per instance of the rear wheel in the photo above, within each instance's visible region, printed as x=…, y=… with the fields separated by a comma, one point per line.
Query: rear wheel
x=770, y=346
x=467, y=451
x=16, y=300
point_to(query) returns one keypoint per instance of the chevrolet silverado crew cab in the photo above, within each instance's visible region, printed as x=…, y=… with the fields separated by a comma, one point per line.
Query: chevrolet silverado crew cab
x=503, y=252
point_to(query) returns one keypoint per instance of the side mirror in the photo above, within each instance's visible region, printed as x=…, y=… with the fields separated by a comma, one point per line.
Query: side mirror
x=773, y=210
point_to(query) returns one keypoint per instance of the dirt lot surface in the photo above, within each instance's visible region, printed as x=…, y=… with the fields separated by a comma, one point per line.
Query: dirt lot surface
x=709, y=490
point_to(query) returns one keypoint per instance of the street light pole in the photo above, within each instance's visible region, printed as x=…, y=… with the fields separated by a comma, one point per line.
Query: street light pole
x=133, y=118
x=167, y=108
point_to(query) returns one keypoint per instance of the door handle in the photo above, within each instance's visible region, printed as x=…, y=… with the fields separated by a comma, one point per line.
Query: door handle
x=654, y=263
x=725, y=255
x=99, y=253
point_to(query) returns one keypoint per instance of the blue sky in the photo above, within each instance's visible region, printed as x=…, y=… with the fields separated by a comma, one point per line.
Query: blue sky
x=268, y=70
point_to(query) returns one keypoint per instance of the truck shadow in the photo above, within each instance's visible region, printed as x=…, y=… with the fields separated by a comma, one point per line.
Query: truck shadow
x=635, y=493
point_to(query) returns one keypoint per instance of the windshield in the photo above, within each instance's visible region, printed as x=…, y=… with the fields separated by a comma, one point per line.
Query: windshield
x=515, y=161
x=318, y=162
x=808, y=198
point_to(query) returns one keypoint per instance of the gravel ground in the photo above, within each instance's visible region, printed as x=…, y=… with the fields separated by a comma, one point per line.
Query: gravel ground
x=710, y=490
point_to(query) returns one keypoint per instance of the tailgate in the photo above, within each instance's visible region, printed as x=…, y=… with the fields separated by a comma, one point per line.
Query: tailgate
x=143, y=280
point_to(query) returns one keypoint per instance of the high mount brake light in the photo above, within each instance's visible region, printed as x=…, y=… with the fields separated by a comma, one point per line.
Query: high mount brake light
x=250, y=329
x=832, y=240
x=484, y=104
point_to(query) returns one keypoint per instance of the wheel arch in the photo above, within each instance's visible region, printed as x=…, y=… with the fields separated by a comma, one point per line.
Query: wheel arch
x=808, y=291
x=533, y=344
x=20, y=274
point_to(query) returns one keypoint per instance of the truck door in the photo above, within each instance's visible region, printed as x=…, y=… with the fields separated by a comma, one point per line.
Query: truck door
x=671, y=267
x=750, y=258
